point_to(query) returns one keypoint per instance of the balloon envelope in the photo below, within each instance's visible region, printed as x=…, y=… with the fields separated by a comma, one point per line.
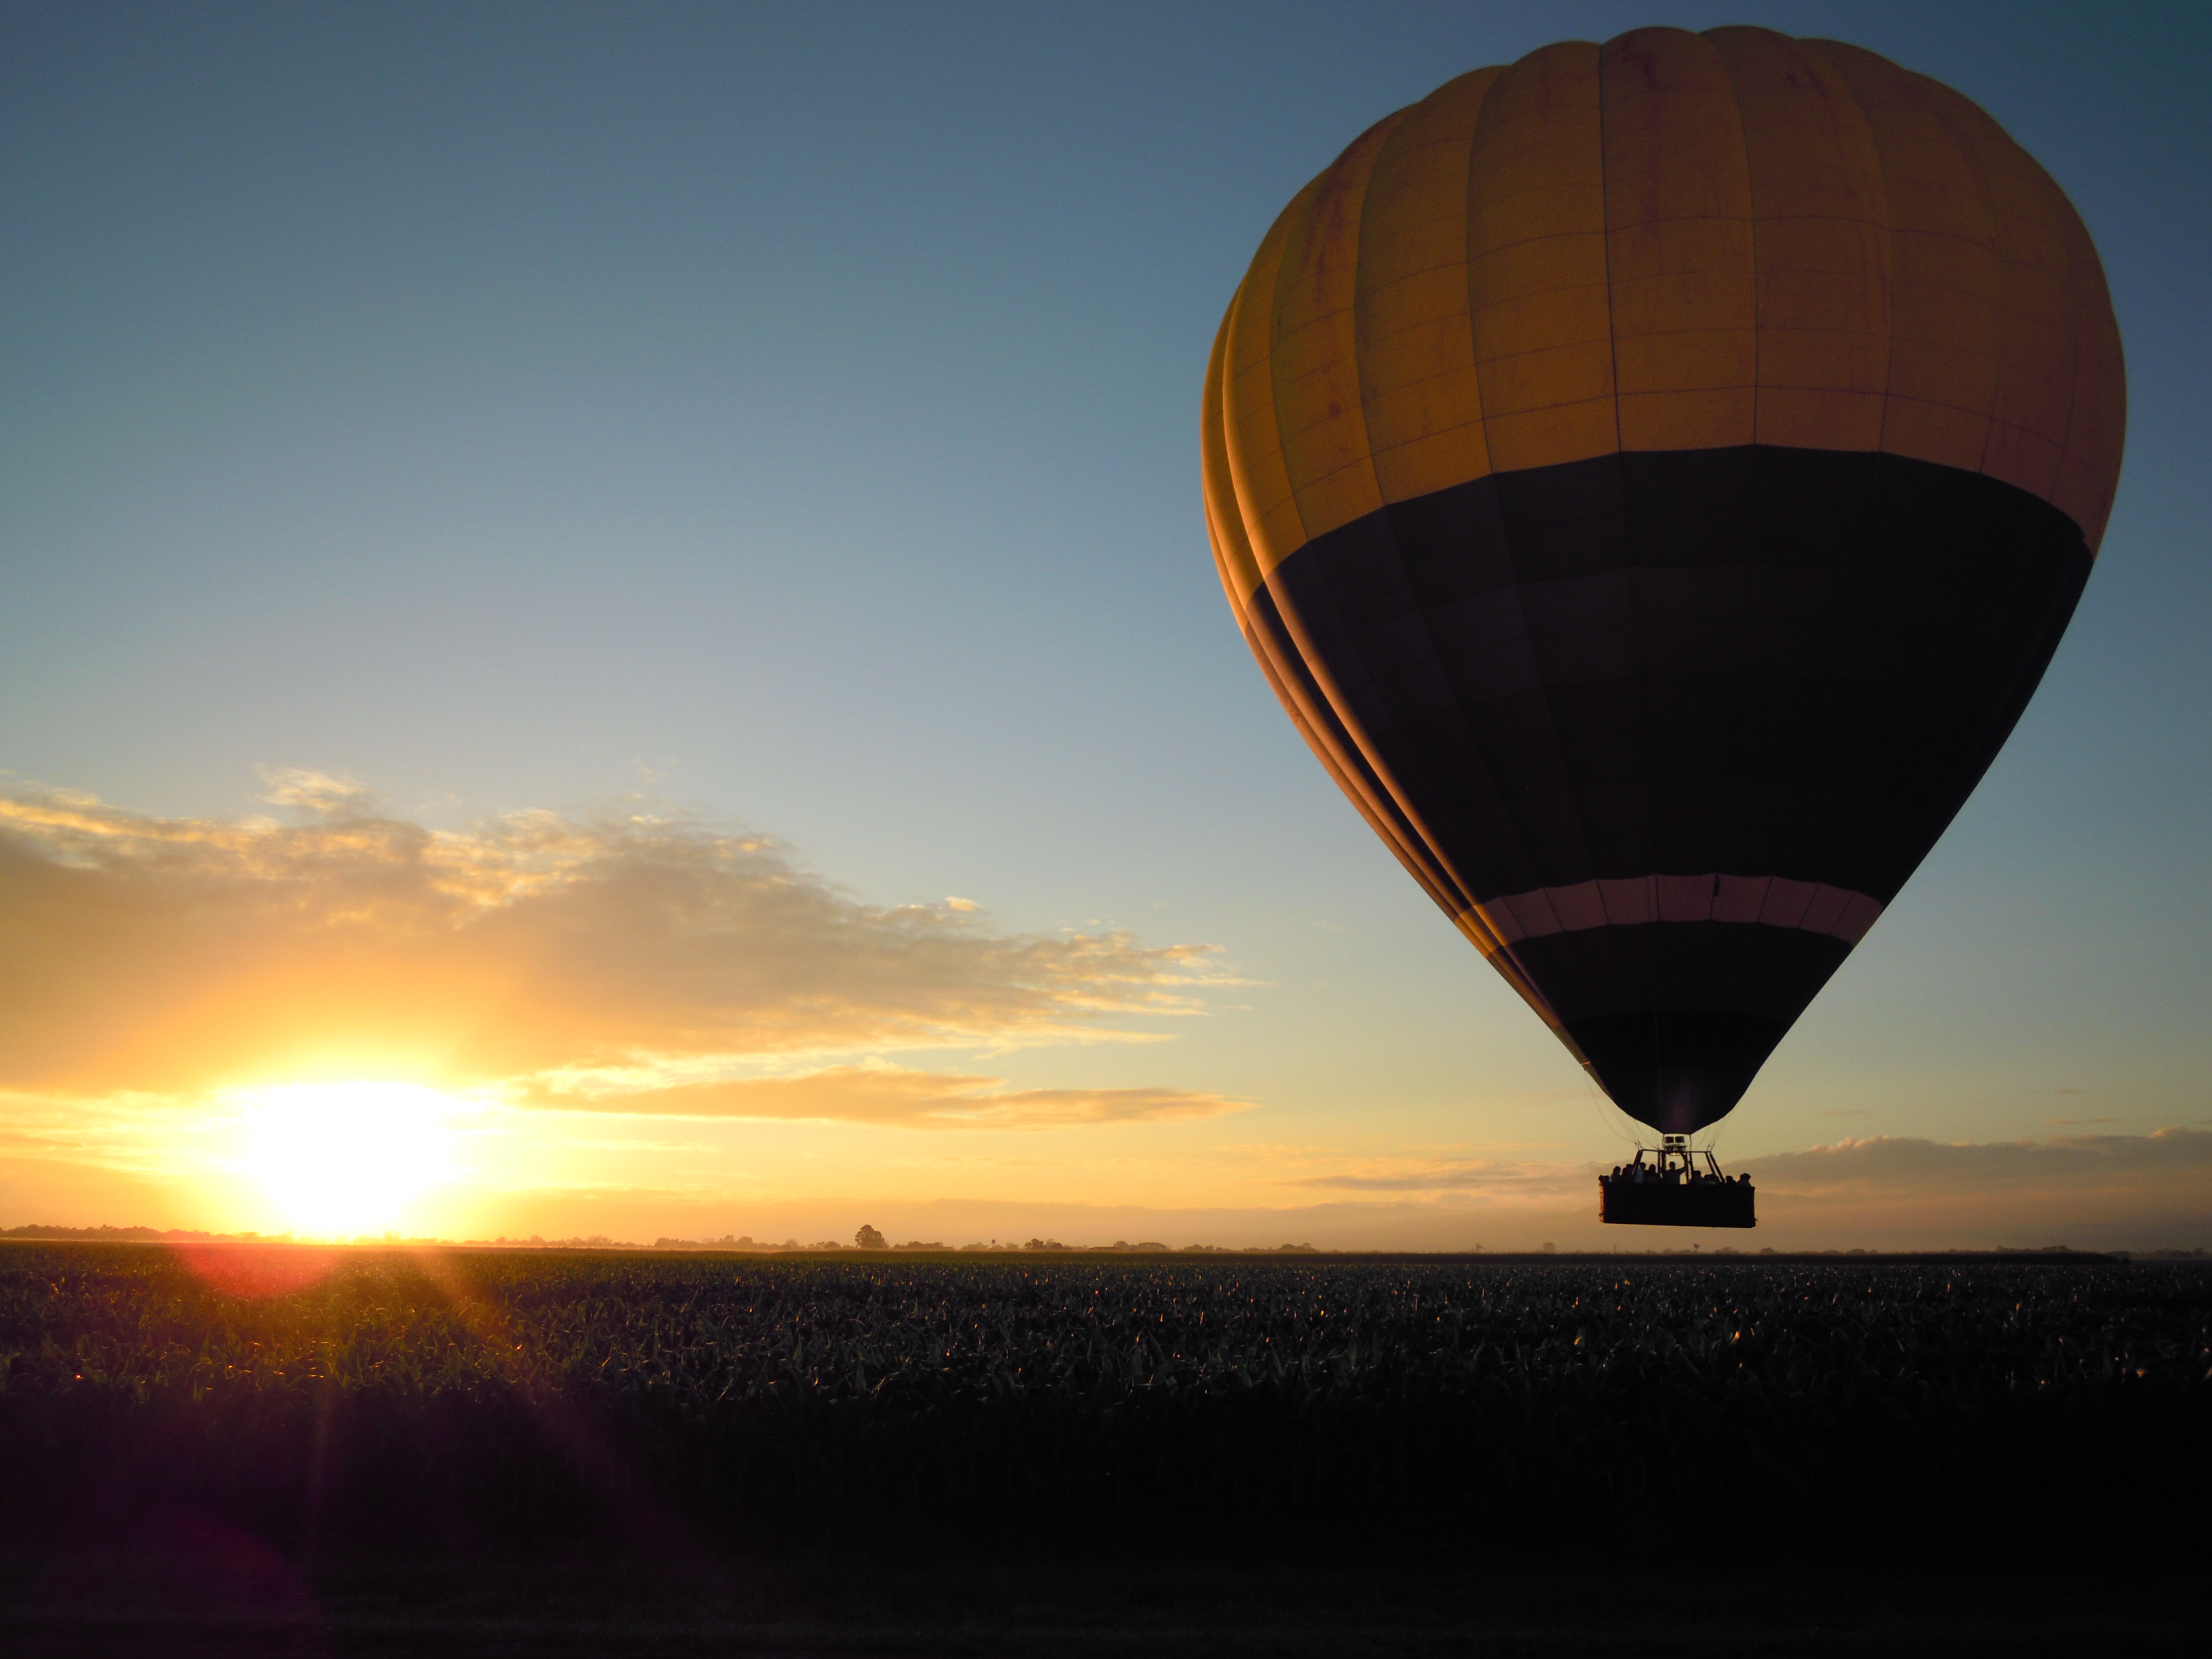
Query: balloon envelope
x=1654, y=478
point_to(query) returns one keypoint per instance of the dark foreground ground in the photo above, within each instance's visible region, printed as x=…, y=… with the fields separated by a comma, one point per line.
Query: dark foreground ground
x=213, y=1450
x=190, y=1604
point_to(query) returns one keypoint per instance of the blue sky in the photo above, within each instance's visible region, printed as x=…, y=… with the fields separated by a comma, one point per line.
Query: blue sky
x=786, y=418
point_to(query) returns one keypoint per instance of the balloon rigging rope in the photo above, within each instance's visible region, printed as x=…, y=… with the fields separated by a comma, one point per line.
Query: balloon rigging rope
x=1612, y=1117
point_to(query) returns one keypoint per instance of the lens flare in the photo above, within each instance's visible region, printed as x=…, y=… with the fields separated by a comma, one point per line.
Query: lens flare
x=256, y=1270
x=342, y=1159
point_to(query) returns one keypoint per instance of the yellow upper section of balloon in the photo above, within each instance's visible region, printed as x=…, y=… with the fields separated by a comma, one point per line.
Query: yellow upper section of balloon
x=1670, y=241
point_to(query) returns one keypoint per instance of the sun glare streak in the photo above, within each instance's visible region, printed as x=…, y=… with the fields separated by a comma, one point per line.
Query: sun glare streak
x=343, y=1159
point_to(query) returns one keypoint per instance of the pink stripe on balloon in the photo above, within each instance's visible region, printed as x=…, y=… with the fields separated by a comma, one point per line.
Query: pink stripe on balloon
x=1776, y=901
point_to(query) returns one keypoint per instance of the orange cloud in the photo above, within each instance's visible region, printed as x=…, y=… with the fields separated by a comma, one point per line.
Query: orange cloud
x=896, y=1095
x=172, y=956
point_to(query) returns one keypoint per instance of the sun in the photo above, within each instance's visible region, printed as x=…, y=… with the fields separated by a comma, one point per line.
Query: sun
x=343, y=1159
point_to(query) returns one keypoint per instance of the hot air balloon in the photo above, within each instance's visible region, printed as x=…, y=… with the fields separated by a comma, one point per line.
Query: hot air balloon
x=1654, y=478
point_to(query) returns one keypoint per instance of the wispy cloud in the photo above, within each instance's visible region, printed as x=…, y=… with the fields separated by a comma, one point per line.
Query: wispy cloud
x=1487, y=1177
x=898, y=1095
x=174, y=955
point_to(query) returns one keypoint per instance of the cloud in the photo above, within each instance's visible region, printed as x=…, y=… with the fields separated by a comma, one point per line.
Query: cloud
x=176, y=954
x=1494, y=1180
x=896, y=1095
x=2093, y=1190
x=304, y=787
x=1885, y=1166
x=1897, y=1163
x=2099, y=1191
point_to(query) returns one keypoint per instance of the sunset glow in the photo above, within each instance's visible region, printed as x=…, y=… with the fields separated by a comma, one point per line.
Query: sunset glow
x=1169, y=829
x=549, y=689
x=342, y=1159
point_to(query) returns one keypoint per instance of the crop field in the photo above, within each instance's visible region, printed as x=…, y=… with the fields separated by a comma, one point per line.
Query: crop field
x=1161, y=1406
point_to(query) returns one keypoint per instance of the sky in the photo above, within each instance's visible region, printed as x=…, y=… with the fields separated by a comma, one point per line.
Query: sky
x=608, y=628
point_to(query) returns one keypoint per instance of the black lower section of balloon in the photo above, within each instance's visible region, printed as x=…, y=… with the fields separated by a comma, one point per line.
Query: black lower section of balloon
x=1677, y=1070
x=1687, y=967
x=1675, y=1018
x=1752, y=661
